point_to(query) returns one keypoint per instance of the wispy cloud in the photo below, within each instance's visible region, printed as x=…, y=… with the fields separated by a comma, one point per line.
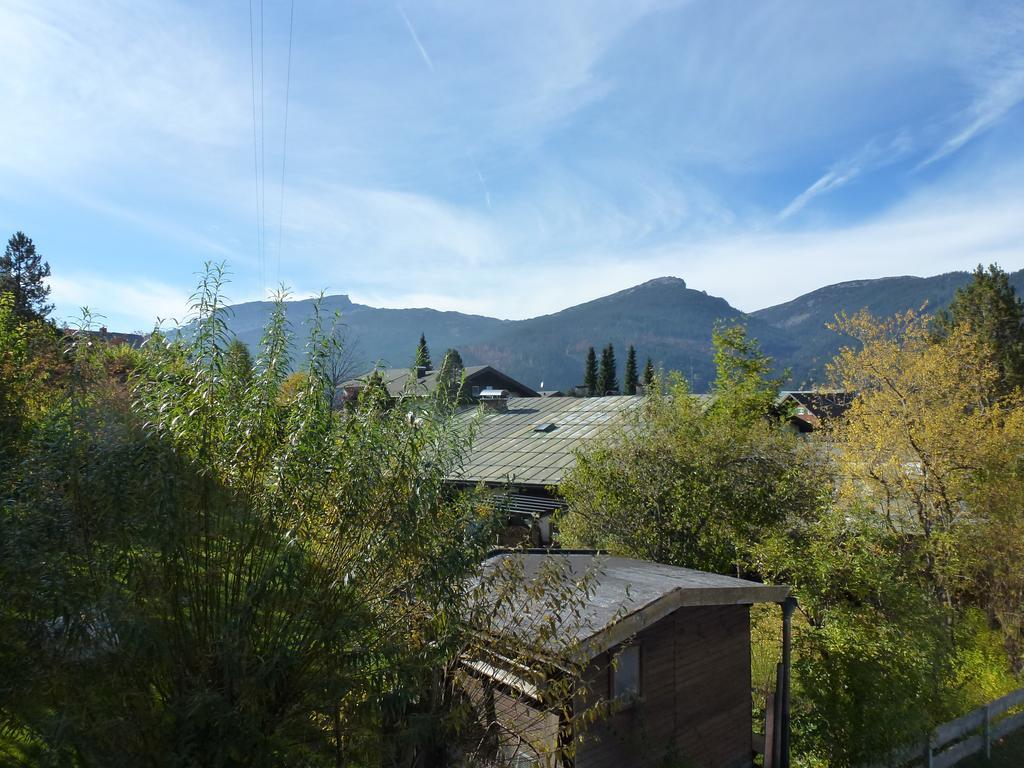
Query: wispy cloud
x=1002, y=94
x=871, y=157
x=416, y=39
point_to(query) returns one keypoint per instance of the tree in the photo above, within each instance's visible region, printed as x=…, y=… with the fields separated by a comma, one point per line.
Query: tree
x=631, y=380
x=423, y=354
x=902, y=577
x=449, y=376
x=688, y=486
x=23, y=273
x=744, y=388
x=606, y=378
x=648, y=375
x=990, y=306
x=590, y=373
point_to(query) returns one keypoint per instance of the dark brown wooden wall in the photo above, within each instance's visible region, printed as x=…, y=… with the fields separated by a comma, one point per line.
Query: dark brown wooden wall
x=695, y=696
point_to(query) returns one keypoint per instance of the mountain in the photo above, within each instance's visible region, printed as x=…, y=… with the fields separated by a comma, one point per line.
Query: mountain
x=806, y=317
x=663, y=318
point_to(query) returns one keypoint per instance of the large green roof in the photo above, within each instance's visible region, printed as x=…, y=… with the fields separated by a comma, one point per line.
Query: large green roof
x=509, y=447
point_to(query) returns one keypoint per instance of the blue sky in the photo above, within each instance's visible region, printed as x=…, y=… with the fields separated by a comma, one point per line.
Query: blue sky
x=508, y=159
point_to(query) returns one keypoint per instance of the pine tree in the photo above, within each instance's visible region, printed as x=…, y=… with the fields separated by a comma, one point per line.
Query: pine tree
x=648, y=375
x=423, y=354
x=590, y=373
x=449, y=375
x=630, y=381
x=23, y=273
x=990, y=307
x=606, y=378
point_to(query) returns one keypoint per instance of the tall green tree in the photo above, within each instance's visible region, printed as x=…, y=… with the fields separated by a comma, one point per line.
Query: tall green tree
x=606, y=377
x=23, y=274
x=630, y=380
x=449, y=376
x=744, y=388
x=990, y=307
x=648, y=375
x=423, y=354
x=590, y=373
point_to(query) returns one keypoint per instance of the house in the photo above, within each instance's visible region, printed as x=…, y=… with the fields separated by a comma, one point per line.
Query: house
x=807, y=411
x=113, y=338
x=523, y=447
x=664, y=653
x=421, y=381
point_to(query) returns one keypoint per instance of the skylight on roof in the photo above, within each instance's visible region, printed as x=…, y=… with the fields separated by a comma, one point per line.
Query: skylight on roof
x=547, y=426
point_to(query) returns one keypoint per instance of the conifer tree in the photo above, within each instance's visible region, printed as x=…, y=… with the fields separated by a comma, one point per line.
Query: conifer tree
x=631, y=380
x=648, y=375
x=989, y=306
x=23, y=273
x=606, y=378
x=423, y=354
x=590, y=373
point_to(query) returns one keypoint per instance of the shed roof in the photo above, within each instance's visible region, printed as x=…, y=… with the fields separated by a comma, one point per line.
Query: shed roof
x=534, y=441
x=629, y=595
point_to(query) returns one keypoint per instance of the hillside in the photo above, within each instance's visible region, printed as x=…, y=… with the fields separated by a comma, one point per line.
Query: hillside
x=805, y=318
x=662, y=318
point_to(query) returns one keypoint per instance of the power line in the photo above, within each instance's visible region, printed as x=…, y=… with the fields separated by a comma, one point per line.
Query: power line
x=263, y=160
x=255, y=140
x=284, y=141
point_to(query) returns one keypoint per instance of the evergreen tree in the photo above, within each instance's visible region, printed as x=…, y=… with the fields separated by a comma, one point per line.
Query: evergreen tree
x=648, y=375
x=237, y=369
x=423, y=354
x=606, y=378
x=23, y=273
x=989, y=306
x=449, y=376
x=590, y=373
x=631, y=380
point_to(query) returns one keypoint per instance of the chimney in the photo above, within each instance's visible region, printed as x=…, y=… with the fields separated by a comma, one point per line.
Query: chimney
x=494, y=399
x=421, y=371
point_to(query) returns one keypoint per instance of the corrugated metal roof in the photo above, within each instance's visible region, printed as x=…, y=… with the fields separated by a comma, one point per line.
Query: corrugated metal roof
x=507, y=447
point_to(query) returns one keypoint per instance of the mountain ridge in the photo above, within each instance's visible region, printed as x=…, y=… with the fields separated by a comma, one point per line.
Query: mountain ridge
x=663, y=318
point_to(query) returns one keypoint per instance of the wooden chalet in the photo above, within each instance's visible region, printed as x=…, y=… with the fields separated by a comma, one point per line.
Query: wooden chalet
x=807, y=411
x=421, y=381
x=665, y=654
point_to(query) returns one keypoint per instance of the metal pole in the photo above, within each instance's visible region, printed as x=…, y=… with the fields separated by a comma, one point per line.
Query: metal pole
x=788, y=606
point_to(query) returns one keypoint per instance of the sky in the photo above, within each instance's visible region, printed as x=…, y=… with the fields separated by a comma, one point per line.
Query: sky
x=507, y=159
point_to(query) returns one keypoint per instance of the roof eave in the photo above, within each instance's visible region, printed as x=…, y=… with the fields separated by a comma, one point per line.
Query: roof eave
x=682, y=597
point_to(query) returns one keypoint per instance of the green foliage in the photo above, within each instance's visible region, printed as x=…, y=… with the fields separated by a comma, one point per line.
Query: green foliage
x=449, y=377
x=685, y=486
x=606, y=377
x=23, y=274
x=648, y=375
x=630, y=380
x=590, y=373
x=990, y=307
x=744, y=388
x=209, y=576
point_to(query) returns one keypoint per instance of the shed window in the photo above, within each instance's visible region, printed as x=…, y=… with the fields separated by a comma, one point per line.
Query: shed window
x=626, y=674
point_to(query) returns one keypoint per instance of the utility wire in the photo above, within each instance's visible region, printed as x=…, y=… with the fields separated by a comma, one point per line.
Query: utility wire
x=263, y=161
x=255, y=138
x=284, y=142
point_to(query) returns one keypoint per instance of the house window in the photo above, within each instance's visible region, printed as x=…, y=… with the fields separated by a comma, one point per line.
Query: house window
x=476, y=391
x=626, y=674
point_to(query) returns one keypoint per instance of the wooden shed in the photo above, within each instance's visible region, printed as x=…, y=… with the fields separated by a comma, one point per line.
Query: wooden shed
x=665, y=649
